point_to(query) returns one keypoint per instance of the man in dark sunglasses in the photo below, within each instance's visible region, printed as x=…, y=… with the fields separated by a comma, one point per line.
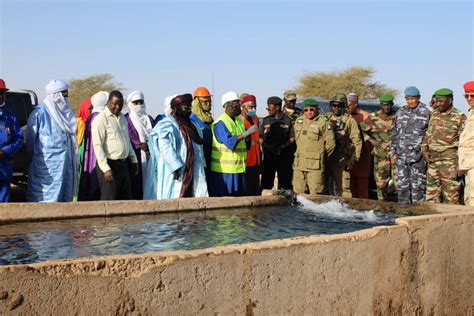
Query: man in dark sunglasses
x=278, y=142
x=348, y=148
x=314, y=143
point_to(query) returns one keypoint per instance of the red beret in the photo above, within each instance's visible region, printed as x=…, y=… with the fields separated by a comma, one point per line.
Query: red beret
x=248, y=98
x=469, y=86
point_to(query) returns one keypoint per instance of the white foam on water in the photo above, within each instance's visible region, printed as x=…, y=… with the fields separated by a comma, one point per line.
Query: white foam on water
x=338, y=210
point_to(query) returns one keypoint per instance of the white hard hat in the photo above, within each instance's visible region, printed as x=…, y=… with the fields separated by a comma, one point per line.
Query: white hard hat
x=229, y=96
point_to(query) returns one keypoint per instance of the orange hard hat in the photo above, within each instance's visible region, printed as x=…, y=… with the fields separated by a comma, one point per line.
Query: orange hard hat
x=201, y=92
x=3, y=86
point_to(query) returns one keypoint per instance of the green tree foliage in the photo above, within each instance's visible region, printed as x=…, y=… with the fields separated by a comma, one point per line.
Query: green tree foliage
x=83, y=89
x=354, y=79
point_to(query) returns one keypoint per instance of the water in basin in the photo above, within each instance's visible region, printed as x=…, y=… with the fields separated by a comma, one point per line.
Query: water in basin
x=24, y=243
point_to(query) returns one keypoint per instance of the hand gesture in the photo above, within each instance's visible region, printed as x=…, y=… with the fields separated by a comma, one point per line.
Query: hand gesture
x=108, y=176
x=135, y=169
x=427, y=156
x=176, y=174
x=252, y=130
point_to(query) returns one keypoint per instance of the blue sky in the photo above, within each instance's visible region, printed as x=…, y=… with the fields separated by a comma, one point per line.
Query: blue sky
x=262, y=47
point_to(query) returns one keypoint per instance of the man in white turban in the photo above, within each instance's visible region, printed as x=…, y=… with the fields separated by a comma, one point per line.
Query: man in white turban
x=140, y=125
x=51, y=141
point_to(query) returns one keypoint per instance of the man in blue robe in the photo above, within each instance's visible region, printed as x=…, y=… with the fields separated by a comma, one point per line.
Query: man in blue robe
x=51, y=142
x=176, y=165
x=202, y=118
x=11, y=140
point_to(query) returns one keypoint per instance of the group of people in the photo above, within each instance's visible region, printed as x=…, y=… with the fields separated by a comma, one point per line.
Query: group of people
x=102, y=154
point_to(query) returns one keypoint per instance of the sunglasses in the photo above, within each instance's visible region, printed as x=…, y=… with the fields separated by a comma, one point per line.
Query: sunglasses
x=469, y=95
x=137, y=102
x=309, y=110
x=65, y=93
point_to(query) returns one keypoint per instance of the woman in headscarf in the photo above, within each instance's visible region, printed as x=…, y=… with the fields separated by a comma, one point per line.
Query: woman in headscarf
x=89, y=189
x=139, y=128
x=85, y=109
x=176, y=165
x=52, y=143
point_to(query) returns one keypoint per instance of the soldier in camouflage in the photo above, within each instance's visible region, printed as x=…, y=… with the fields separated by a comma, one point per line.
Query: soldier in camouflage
x=440, y=147
x=314, y=143
x=411, y=123
x=348, y=148
x=289, y=106
x=384, y=169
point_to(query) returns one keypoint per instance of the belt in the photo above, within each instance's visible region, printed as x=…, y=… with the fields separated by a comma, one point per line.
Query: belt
x=117, y=160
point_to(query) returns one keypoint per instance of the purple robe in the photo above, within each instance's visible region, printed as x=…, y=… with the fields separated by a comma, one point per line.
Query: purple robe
x=137, y=181
x=89, y=189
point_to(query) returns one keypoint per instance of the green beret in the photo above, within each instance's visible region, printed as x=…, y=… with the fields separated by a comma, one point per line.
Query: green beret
x=310, y=103
x=442, y=93
x=386, y=98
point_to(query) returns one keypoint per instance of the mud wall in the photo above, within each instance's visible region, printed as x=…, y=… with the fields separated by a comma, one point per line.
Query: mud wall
x=423, y=265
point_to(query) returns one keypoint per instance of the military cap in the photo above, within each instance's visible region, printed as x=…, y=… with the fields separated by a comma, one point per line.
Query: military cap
x=289, y=95
x=352, y=97
x=442, y=93
x=386, y=99
x=412, y=92
x=274, y=100
x=339, y=99
x=310, y=103
x=469, y=86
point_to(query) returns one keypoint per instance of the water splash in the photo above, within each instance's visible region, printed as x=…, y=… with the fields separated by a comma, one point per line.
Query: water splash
x=337, y=210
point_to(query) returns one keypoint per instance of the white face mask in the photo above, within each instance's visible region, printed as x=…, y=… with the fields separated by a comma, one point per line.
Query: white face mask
x=61, y=101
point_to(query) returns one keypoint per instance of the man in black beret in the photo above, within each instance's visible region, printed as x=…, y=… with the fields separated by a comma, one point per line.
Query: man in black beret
x=277, y=136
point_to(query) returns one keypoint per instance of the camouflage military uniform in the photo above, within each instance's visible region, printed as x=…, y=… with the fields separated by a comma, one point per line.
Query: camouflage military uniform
x=441, y=141
x=407, y=135
x=348, y=148
x=314, y=142
x=384, y=170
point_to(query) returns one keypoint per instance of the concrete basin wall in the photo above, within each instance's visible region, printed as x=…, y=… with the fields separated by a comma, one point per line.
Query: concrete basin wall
x=423, y=265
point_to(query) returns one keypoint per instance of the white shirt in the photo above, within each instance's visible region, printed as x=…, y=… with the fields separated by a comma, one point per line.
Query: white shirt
x=111, y=139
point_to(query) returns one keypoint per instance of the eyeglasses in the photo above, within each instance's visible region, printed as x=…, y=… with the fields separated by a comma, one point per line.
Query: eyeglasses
x=137, y=102
x=65, y=93
x=309, y=110
x=469, y=95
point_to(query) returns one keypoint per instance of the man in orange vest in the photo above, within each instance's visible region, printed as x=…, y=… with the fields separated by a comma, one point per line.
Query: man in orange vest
x=252, y=171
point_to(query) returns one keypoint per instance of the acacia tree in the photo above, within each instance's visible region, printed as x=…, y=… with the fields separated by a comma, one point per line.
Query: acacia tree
x=83, y=89
x=353, y=79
